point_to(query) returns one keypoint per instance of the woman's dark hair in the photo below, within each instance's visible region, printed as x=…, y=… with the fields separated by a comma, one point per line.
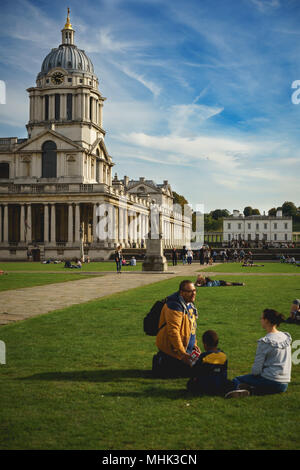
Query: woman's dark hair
x=210, y=338
x=274, y=317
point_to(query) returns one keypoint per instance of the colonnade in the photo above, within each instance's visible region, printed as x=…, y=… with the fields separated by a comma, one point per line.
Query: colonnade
x=70, y=222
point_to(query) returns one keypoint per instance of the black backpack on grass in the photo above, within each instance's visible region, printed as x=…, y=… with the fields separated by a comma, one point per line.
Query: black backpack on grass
x=151, y=320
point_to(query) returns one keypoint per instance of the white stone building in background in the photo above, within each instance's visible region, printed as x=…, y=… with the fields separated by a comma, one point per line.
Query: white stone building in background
x=257, y=228
x=56, y=186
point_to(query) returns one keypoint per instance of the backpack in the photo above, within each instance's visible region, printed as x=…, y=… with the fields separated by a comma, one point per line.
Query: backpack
x=151, y=320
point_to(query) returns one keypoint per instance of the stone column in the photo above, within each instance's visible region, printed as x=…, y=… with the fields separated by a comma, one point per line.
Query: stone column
x=122, y=239
x=63, y=106
x=70, y=223
x=101, y=179
x=22, y=224
x=53, y=225
x=28, y=224
x=5, y=224
x=51, y=107
x=95, y=222
x=125, y=227
x=112, y=226
x=77, y=223
x=46, y=223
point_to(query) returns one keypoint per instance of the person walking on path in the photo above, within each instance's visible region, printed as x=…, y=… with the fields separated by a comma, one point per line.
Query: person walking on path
x=118, y=258
x=174, y=257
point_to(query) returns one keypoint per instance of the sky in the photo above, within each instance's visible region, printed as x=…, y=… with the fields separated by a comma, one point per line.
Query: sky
x=202, y=93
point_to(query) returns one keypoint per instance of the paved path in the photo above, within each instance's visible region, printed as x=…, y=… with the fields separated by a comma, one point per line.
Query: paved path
x=19, y=304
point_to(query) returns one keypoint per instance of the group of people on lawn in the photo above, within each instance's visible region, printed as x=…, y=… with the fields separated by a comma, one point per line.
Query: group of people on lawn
x=179, y=355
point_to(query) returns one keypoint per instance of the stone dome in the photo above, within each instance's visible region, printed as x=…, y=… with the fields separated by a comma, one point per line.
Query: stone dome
x=69, y=57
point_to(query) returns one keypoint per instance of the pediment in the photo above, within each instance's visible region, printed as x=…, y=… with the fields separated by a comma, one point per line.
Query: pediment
x=143, y=187
x=101, y=147
x=35, y=144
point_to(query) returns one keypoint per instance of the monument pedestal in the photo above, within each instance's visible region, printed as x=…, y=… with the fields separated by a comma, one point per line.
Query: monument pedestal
x=155, y=259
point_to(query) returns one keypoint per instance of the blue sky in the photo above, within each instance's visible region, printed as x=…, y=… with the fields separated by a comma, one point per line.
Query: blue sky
x=199, y=92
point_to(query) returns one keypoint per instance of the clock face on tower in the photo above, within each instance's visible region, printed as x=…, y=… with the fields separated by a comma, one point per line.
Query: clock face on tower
x=57, y=78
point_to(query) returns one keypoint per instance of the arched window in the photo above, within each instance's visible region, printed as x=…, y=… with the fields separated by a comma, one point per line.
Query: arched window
x=49, y=160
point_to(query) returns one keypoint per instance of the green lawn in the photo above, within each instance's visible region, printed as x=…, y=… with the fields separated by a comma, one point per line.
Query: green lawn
x=79, y=378
x=264, y=267
x=59, y=268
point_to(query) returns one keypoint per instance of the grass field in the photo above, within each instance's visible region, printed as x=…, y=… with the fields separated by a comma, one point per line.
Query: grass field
x=264, y=268
x=79, y=378
x=59, y=268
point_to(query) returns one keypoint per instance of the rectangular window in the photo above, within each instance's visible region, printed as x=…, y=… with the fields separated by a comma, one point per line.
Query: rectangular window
x=46, y=107
x=265, y=226
x=249, y=226
x=257, y=226
x=239, y=226
x=275, y=226
x=4, y=170
x=229, y=226
x=275, y=237
x=69, y=106
x=285, y=226
x=285, y=236
x=57, y=107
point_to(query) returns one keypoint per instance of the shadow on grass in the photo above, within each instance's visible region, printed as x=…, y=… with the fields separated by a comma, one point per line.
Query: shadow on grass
x=114, y=376
x=91, y=375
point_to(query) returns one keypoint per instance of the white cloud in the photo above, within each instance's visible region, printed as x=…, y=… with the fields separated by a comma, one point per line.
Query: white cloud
x=151, y=86
x=265, y=5
x=187, y=118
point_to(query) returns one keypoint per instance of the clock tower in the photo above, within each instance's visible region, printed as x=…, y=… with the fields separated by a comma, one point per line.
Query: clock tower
x=66, y=97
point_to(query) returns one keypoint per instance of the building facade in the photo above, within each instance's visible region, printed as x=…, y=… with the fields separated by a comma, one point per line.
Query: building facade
x=257, y=228
x=57, y=193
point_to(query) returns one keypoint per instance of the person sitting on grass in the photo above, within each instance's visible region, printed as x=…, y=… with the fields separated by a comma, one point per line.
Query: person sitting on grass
x=294, y=312
x=210, y=371
x=202, y=281
x=271, y=371
x=176, y=339
x=251, y=265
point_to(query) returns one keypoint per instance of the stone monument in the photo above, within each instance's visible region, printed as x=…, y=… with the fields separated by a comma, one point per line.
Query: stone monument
x=155, y=259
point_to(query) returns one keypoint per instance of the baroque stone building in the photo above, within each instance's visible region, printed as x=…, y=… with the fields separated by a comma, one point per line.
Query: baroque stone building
x=57, y=193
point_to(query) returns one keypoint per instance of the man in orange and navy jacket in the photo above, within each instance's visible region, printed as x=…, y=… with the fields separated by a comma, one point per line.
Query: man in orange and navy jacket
x=176, y=338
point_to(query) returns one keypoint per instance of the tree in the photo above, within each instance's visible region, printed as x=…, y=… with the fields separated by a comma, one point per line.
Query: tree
x=219, y=213
x=248, y=211
x=178, y=199
x=255, y=212
x=289, y=209
x=272, y=212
